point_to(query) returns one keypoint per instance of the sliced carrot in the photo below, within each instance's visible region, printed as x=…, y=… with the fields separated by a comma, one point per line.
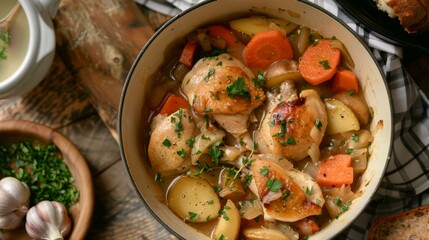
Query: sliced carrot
x=319, y=62
x=267, y=47
x=188, y=53
x=219, y=31
x=335, y=171
x=174, y=103
x=345, y=80
x=307, y=226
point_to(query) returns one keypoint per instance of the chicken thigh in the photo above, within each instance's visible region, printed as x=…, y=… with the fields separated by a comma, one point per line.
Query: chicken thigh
x=169, y=152
x=225, y=89
x=294, y=126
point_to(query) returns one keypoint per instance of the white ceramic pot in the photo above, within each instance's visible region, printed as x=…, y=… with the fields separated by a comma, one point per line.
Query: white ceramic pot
x=41, y=49
x=134, y=99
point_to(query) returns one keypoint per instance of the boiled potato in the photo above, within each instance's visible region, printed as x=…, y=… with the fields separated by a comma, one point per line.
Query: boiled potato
x=281, y=71
x=193, y=199
x=229, y=223
x=246, y=28
x=340, y=117
x=210, y=177
x=264, y=234
x=357, y=104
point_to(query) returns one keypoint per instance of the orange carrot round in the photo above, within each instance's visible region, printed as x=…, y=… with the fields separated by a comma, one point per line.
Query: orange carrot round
x=319, y=62
x=335, y=171
x=173, y=103
x=267, y=47
x=345, y=80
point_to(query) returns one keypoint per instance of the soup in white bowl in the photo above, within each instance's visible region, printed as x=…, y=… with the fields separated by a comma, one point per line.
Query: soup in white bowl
x=17, y=46
x=235, y=124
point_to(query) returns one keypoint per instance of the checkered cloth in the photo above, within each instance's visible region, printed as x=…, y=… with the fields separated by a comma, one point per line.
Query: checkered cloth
x=406, y=181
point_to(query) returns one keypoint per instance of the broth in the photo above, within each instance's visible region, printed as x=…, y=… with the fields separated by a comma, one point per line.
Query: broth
x=19, y=40
x=226, y=163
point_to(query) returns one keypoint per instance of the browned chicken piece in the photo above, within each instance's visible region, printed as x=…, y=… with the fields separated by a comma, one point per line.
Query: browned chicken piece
x=223, y=88
x=294, y=126
x=168, y=151
x=283, y=197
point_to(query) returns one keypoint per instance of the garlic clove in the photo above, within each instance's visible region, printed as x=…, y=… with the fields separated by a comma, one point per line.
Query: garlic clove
x=48, y=220
x=14, y=202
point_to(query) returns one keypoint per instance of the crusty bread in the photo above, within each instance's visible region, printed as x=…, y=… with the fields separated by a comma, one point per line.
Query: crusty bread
x=413, y=224
x=413, y=15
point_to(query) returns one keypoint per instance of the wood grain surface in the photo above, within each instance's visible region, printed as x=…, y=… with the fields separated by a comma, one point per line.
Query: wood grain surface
x=97, y=41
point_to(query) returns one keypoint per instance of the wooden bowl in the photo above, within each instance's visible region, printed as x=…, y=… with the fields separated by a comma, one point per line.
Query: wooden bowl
x=81, y=211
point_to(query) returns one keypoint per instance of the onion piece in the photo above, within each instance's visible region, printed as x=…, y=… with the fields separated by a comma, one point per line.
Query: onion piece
x=335, y=43
x=250, y=209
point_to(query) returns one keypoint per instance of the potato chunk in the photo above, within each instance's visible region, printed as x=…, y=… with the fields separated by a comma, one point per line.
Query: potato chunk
x=193, y=199
x=229, y=223
x=340, y=117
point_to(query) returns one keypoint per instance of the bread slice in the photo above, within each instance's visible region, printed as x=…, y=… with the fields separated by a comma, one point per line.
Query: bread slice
x=413, y=224
x=413, y=15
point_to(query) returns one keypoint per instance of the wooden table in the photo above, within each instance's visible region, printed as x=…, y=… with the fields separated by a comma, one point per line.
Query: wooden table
x=97, y=41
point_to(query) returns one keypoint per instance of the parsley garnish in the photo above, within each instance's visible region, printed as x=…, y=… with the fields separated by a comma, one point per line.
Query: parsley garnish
x=238, y=87
x=190, y=142
x=318, y=124
x=42, y=168
x=182, y=153
x=259, y=81
x=178, y=127
x=291, y=141
x=282, y=129
x=192, y=216
x=273, y=185
x=355, y=137
x=325, y=64
x=264, y=171
x=158, y=177
x=166, y=143
x=309, y=191
x=286, y=195
x=209, y=74
x=247, y=180
x=215, y=153
x=351, y=92
x=349, y=151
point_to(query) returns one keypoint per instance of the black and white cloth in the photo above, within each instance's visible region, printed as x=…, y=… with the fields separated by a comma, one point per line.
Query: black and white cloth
x=406, y=181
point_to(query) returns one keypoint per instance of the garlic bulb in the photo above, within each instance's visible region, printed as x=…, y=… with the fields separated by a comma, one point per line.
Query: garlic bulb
x=48, y=220
x=14, y=201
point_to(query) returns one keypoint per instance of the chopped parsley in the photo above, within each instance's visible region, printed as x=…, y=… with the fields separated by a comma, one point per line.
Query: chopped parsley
x=291, y=140
x=342, y=207
x=286, y=195
x=182, y=153
x=325, y=64
x=216, y=153
x=318, y=124
x=282, y=129
x=209, y=74
x=192, y=216
x=42, y=168
x=264, y=171
x=273, y=185
x=349, y=151
x=166, y=143
x=309, y=191
x=158, y=177
x=238, y=87
x=190, y=142
x=259, y=81
x=351, y=92
x=355, y=137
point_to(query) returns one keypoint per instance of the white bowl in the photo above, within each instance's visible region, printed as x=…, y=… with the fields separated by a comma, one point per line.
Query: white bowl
x=134, y=100
x=41, y=48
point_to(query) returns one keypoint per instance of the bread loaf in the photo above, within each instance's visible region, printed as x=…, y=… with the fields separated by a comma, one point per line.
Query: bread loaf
x=413, y=15
x=413, y=224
